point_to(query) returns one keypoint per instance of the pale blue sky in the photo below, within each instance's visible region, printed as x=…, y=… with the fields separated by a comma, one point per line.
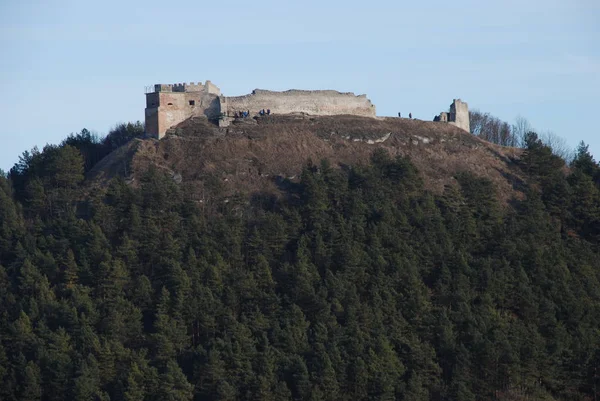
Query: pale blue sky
x=66, y=65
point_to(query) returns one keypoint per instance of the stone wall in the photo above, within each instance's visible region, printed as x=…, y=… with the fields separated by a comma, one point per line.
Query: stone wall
x=457, y=116
x=173, y=105
x=319, y=103
x=170, y=104
x=212, y=88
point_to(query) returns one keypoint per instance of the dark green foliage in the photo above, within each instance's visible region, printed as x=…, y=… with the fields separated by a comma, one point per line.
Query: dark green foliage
x=89, y=145
x=357, y=285
x=93, y=148
x=584, y=162
x=123, y=133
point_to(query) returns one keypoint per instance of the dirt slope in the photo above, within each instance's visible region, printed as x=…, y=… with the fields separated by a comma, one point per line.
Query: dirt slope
x=252, y=155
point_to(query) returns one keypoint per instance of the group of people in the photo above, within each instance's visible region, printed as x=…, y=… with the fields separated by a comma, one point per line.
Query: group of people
x=400, y=115
x=246, y=114
x=242, y=114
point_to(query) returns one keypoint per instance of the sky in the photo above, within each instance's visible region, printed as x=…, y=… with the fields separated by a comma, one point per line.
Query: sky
x=69, y=65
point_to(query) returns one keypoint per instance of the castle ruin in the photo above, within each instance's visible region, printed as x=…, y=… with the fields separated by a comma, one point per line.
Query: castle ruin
x=169, y=105
x=458, y=115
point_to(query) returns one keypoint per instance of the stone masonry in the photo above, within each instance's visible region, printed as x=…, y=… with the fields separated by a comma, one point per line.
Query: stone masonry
x=458, y=115
x=316, y=103
x=171, y=104
x=168, y=105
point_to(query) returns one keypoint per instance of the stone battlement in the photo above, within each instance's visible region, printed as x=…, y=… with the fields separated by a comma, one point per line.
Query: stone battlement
x=188, y=87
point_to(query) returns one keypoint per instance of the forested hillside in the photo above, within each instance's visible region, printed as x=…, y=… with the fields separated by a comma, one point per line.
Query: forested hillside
x=355, y=283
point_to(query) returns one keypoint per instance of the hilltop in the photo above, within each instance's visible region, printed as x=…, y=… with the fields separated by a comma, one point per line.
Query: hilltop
x=256, y=154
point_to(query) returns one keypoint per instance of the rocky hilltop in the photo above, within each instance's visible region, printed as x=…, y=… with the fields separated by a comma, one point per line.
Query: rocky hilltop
x=258, y=154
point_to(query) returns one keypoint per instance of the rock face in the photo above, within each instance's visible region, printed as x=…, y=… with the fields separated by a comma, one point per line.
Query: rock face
x=169, y=105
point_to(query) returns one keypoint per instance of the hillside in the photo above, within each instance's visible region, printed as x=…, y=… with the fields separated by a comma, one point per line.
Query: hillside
x=255, y=155
x=419, y=264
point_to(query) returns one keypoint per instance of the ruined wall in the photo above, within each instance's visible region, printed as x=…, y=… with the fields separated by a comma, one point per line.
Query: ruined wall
x=321, y=103
x=212, y=88
x=170, y=104
x=173, y=103
x=152, y=115
x=459, y=115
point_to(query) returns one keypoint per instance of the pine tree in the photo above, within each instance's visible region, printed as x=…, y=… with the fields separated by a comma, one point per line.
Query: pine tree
x=31, y=383
x=87, y=381
x=70, y=271
x=135, y=385
x=584, y=161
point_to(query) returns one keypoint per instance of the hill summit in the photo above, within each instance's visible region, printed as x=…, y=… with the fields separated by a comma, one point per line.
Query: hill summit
x=255, y=154
x=300, y=258
x=170, y=104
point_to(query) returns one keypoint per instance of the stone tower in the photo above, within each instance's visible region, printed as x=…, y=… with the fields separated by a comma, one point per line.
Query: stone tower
x=168, y=105
x=458, y=115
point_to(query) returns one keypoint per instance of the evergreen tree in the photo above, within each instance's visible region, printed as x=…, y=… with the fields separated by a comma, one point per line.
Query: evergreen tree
x=358, y=283
x=31, y=383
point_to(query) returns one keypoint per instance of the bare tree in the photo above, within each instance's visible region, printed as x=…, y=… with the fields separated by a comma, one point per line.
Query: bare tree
x=477, y=121
x=559, y=145
x=519, y=129
x=494, y=130
x=507, y=137
x=491, y=128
